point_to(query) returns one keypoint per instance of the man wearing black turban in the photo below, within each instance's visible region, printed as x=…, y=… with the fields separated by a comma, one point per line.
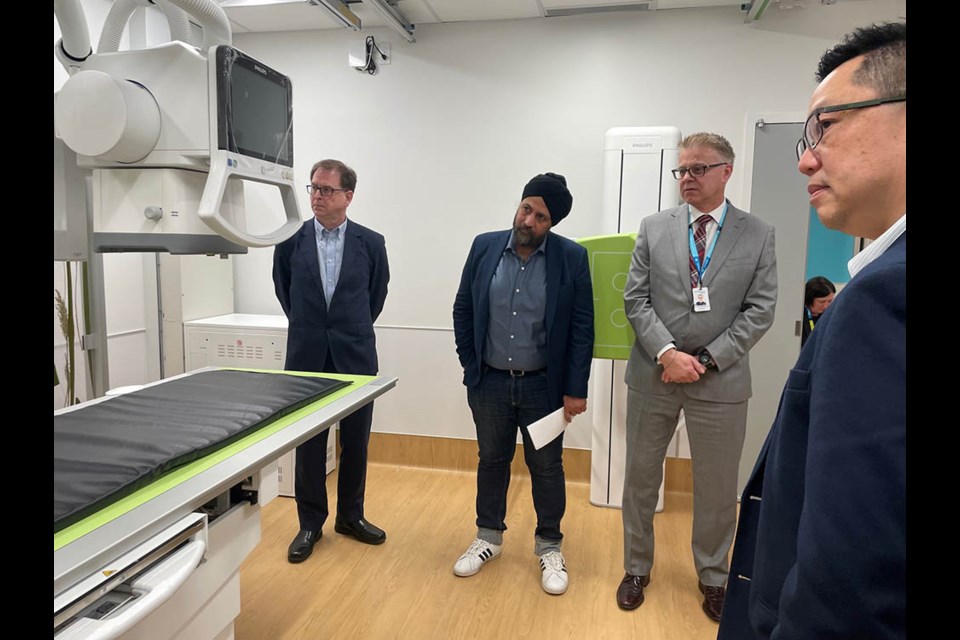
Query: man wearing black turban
x=523, y=323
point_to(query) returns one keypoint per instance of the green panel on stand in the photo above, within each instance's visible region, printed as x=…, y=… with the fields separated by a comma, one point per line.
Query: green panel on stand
x=609, y=264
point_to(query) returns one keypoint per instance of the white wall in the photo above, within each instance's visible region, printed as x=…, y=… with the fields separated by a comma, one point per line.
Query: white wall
x=445, y=137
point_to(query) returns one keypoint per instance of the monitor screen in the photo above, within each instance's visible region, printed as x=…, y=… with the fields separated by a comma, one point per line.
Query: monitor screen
x=254, y=108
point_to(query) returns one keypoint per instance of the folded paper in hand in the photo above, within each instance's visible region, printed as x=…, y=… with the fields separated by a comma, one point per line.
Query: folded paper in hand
x=547, y=428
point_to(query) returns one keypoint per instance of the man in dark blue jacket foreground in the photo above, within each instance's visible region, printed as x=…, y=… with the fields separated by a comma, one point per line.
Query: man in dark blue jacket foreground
x=820, y=550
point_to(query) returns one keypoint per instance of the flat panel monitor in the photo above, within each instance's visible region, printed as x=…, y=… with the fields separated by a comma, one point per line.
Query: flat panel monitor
x=254, y=108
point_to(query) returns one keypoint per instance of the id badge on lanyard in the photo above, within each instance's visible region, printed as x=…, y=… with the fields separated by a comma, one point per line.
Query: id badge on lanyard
x=701, y=299
x=701, y=296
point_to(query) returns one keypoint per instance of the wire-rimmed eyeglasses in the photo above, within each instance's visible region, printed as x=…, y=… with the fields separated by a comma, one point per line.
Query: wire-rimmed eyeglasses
x=696, y=170
x=325, y=191
x=813, y=128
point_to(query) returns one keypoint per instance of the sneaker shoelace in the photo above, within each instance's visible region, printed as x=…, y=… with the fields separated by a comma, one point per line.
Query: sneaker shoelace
x=477, y=547
x=553, y=562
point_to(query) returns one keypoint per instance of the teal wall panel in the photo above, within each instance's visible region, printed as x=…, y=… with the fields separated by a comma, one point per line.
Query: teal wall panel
x=828, y=251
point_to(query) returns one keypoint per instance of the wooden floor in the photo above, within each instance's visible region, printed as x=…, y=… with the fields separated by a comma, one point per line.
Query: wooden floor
x=405, y=588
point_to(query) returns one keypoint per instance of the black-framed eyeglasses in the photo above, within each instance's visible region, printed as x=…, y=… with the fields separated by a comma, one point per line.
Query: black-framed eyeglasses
x=813, y=129
x=696, y=170
x=325, y=191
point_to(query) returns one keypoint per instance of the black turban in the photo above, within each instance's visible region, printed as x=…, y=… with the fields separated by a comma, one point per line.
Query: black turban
x=552, y=187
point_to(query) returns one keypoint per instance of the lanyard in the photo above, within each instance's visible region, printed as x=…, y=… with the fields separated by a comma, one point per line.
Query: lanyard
x=693, y=246
x=809, y=317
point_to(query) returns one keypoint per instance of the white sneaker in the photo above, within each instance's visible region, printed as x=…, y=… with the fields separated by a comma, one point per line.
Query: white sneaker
x=554, y=578
x=475, y=557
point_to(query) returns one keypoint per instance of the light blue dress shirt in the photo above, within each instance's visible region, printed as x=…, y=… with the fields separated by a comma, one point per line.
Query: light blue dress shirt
x=330, y=256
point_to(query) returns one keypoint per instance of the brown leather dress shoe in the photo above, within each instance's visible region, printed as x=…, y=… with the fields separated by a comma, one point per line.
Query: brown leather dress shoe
x=364, y=531
x=302, y=546
x=630, y=591
x=713, y=598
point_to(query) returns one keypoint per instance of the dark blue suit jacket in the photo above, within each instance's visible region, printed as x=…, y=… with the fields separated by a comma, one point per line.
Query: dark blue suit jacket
x=821, y=544
x=569, y=312
x=345, y=329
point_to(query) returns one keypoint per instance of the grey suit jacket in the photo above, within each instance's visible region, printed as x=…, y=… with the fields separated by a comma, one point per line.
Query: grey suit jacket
x=742, y=284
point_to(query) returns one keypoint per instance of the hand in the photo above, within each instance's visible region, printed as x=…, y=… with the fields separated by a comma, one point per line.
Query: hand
x=680, y=367
x=573, y=407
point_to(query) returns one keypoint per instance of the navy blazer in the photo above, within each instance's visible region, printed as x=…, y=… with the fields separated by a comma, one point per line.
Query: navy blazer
x=821, y=543
x=568, y=320
x=345, y=329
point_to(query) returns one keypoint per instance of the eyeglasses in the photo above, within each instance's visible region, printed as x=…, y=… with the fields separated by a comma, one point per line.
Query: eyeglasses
x=696, y=170
x=325, y=191
x=813, y=129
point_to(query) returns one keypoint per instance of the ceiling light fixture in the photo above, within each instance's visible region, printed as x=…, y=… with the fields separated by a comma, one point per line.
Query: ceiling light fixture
x=339, y=12
x=643, y=5
x=395, y=19
x=755, y=10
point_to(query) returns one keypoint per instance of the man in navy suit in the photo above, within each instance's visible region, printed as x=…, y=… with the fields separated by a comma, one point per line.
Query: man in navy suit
x=331, y=279
x=523, y=323
x=821, y=546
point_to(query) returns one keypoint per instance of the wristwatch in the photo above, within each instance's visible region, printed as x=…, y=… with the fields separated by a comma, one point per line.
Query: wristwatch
x=704, y=357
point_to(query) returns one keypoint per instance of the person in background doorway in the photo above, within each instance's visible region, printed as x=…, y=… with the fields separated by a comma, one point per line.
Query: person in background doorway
x=817, y=296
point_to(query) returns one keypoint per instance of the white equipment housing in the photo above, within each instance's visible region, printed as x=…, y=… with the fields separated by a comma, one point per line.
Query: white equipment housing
x=636, y=183
x=202, y=122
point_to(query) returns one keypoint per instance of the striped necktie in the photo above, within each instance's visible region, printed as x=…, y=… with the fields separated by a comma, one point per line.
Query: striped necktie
x=700, y=240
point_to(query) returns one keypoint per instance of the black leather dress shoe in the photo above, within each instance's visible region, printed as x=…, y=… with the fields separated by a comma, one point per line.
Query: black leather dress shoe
x=361, y=530
x=630, y=591
x=302, y=546
x=713, y=598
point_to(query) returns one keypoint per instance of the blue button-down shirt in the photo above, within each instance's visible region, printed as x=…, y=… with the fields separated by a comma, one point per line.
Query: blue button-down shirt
x=330, y=256
x=516, y=327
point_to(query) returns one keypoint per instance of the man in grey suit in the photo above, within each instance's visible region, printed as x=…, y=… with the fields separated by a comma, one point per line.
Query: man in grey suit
x=700, y=293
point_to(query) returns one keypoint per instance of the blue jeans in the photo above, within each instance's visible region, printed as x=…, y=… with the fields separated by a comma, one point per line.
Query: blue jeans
x=500, y=404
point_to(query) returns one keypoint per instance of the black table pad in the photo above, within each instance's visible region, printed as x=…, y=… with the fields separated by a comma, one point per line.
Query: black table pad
x=108, y=450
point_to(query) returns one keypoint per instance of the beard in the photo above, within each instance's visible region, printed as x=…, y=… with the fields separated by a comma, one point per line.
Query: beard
x=526, y=237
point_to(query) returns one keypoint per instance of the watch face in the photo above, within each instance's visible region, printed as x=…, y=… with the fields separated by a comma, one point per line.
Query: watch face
x=704, y=358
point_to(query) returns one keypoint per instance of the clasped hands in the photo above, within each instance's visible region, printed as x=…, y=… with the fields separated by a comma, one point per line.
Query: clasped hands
x=680, y=367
